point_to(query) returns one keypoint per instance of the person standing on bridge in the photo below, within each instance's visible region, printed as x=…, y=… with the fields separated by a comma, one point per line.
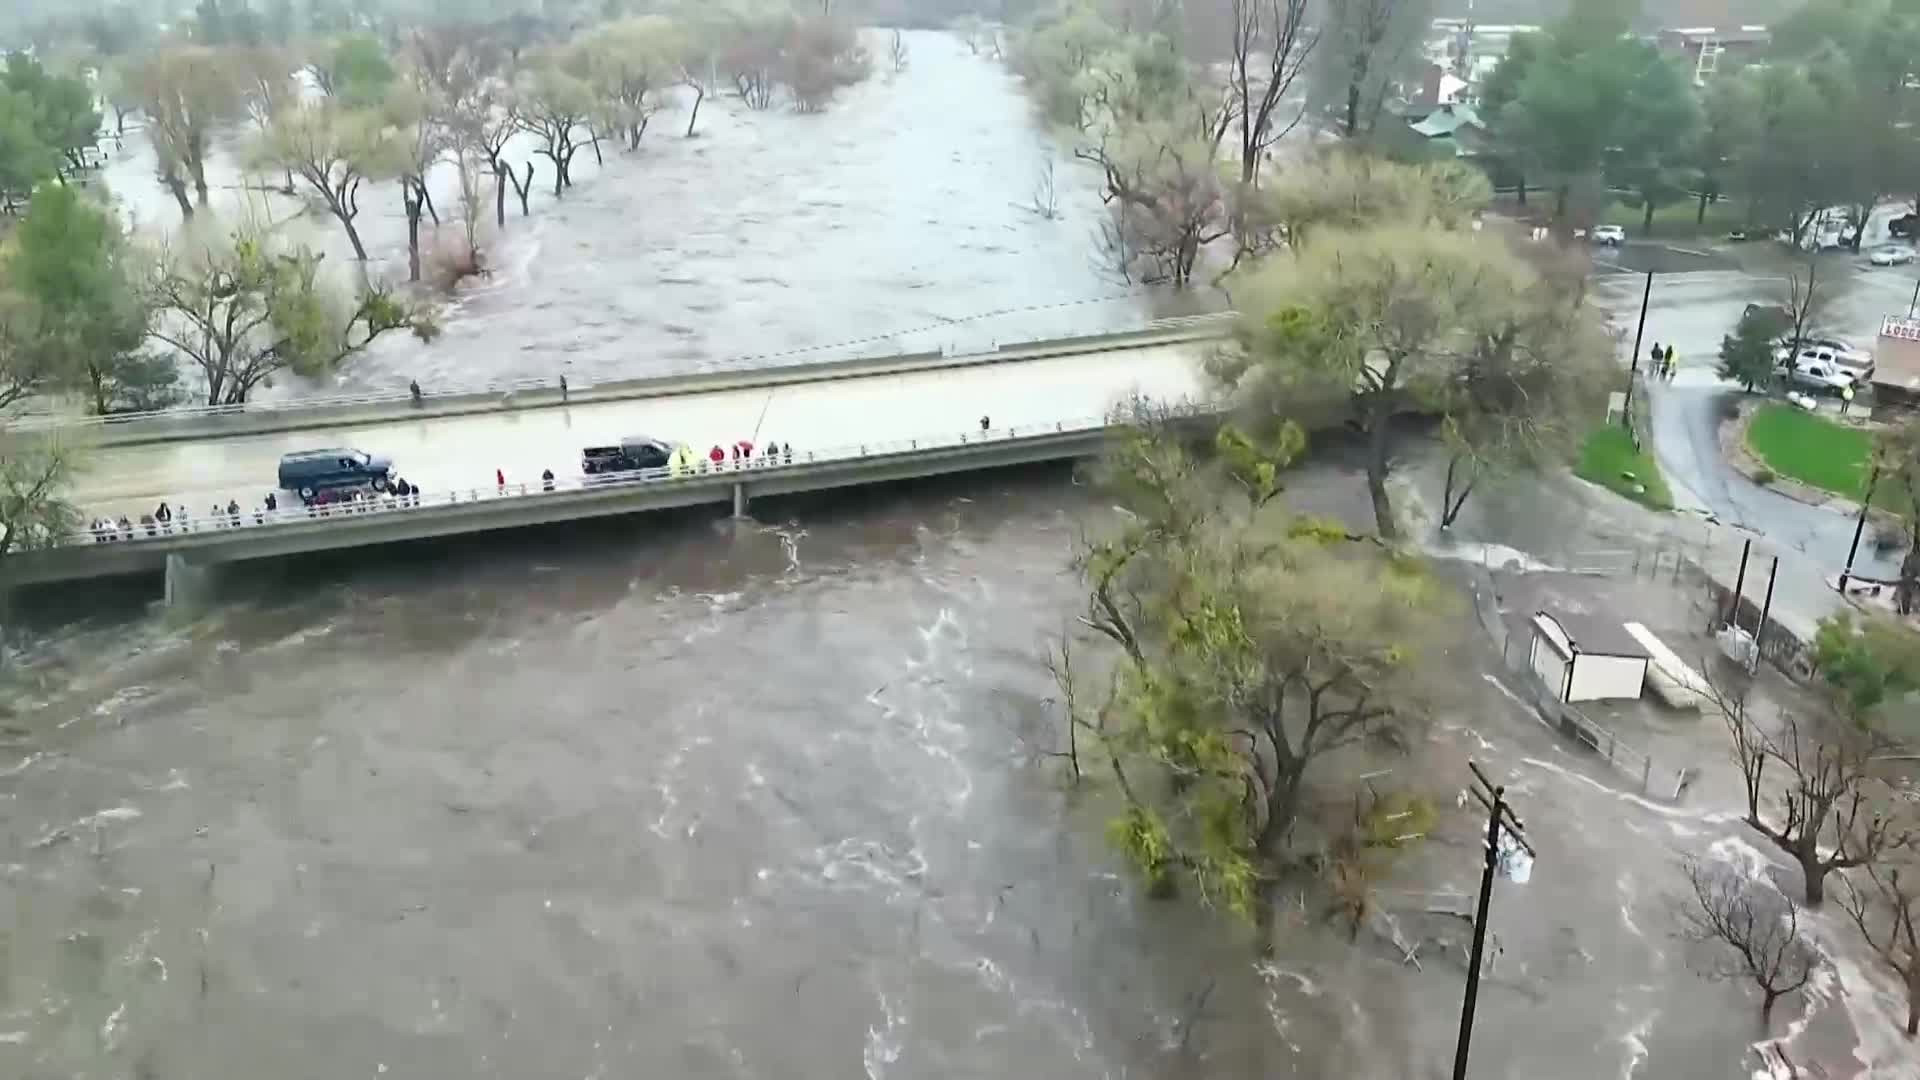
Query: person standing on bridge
x=500, y=480
x=786, y=451
x=985, y=423
x=272, y=503
x=546, y=479
x=717, y=456
x=164, y=516
x=413, y=390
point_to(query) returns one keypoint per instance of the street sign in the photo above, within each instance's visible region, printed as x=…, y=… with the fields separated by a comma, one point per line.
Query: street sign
x=1900, y=329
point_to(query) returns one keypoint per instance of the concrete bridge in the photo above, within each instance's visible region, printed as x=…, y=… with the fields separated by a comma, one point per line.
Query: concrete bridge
x=848, y=423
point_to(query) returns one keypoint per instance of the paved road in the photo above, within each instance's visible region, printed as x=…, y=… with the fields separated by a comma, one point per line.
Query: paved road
x=1692, y=311
x=462, y=452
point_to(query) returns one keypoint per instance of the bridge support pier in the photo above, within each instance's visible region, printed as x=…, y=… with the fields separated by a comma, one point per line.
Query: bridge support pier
x=189, y=584
x=739, y=500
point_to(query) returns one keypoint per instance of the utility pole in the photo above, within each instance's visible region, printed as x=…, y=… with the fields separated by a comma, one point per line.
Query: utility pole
x=1633, y=375
x=1873, y=481
x=1500, y=817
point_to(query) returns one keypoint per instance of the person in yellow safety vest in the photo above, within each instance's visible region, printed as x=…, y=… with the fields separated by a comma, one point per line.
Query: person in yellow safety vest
x=682, y=460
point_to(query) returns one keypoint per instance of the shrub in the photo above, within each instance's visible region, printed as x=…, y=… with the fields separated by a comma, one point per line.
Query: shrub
x=1763, y=477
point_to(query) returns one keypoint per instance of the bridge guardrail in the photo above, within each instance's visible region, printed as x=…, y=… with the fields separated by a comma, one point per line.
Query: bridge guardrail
x=557, y=386
x=702, y=470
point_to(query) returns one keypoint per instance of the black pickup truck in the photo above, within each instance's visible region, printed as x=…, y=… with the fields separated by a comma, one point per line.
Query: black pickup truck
x=631, y=455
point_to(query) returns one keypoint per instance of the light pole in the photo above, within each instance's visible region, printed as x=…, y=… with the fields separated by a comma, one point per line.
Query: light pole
x=1916, y=298
x=1500, y=817
x=1633, y=375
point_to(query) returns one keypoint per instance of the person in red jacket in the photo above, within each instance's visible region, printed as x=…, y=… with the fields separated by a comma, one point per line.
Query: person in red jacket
x=500, y=478
x=717, y=456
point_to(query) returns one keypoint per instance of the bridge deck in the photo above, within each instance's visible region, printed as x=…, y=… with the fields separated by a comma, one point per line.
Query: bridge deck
x=461, y=452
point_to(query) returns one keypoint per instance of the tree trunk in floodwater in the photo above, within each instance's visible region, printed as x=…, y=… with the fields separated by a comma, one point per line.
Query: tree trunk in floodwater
x=1379, y=438
x=178, y=189
x=499, y=195
x=699, y=95
x=410, y=201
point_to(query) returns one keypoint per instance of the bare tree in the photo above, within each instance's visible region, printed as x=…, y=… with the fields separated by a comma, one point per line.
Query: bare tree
x=1269, y=48
x=1887, y=917
x=1753, y=928
x=1805, y=301
x=1165, y=199
x=1045, y=202
x=897, y=52
x=1366, y=45
x=1826, y=820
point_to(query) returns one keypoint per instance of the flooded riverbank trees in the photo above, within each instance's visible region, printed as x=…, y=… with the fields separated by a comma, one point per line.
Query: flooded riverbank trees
x=246, y=308
x=1252, y=652
x=187, y=92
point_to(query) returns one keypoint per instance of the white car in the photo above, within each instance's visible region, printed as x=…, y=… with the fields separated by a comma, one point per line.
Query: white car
x=1610, y=235
x=1890, y=255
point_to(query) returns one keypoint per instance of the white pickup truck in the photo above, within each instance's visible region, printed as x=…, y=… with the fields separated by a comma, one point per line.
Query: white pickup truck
x=1821, y=374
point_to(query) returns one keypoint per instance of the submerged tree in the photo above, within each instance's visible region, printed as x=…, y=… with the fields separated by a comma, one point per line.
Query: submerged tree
x=244, y=311
x=1888, y=918
x=1824, y=808
x=35, y=511
x=187, y=91
x=1752, y=929
x=554, y=107
x=334, y=151
x=1250, y=653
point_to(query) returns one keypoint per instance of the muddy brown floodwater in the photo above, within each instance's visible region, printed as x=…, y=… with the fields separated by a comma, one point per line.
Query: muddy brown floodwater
x=897, y=220
x=671, y=796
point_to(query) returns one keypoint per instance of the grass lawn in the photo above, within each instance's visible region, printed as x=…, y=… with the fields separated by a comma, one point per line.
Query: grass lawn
x=1676, y=219
x=1608, y=454
x=1813, y=450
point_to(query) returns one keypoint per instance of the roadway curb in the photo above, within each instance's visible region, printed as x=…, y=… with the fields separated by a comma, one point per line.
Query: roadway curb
x=163, y=429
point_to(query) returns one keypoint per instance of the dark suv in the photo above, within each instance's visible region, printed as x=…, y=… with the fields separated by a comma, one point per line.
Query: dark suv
x=310, y=472
x=631, y=455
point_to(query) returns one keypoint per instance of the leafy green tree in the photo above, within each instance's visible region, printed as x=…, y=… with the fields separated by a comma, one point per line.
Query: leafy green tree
x=65, y=119
x=333, y=150
x=1250, y=652
x=25, y=160
x=246, y=310
x=1656, y=133
x=1869, y=660
x=1729, y=110
x=34, y=508
x=1795, y=165
x=554, y=107
x=70, y=261
x=1747, y=354
x=187, y=92
x=1359, y=326
x=357, y=71
x=627, y=65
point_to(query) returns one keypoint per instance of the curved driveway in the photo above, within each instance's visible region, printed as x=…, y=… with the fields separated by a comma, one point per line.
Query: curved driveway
x=1691, y=312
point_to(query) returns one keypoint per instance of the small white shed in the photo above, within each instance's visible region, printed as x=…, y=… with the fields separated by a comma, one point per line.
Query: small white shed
x=1582, y=659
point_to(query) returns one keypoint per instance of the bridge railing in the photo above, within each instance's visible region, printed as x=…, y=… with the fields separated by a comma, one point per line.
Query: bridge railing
x=429, y=398
x=702, y=469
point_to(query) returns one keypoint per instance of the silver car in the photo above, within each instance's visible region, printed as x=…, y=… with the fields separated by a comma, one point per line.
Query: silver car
x=1890, y=255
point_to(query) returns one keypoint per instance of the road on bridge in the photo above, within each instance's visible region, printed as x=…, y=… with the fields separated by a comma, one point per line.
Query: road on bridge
x=462, y=452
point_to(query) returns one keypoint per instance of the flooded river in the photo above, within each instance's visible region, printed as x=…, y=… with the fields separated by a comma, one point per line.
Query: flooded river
x=899, y=219
x=675, y=796
x=669, y=797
